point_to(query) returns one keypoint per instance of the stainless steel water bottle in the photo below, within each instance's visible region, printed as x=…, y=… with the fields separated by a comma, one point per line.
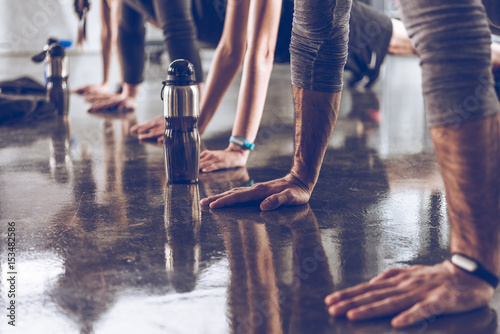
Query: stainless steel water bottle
x=57, y=72
x=181, y=110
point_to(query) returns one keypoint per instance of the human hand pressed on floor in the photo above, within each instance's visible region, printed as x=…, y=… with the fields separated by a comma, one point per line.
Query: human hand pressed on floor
x=150, y=130
x=112, y=103
x=211, y=161
x=92, y=90
x=287, y=190
x=414, y=294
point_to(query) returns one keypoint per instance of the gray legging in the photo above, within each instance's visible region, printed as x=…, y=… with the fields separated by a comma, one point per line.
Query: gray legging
x=452, y=39
x=179, y=31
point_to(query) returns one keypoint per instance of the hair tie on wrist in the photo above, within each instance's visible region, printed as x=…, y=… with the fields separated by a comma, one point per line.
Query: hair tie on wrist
x=242, y=142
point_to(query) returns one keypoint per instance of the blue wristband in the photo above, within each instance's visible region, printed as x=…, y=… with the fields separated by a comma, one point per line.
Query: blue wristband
x=242, y=142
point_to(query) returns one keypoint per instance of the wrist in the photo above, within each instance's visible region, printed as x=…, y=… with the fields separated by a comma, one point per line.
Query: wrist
x=462, y=279
x=307, y=186
x=474, y=267
x=235, y=148
x=488, y=258
x=242, y=143
x=307, y=177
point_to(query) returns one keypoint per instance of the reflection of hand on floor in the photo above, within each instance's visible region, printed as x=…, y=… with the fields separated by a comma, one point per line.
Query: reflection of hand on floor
x=214, y=182
x=414, y=294
x=152, y=130
x=289, y=216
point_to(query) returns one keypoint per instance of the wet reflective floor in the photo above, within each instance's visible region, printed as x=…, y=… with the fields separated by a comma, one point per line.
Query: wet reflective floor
x=103, y=245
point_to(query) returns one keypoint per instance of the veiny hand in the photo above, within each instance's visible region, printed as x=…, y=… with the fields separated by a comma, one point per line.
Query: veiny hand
x=92, y=90
x=414, y=294
x=287, y=190
x=150, y=130
x=112, y=102
x=215, y=160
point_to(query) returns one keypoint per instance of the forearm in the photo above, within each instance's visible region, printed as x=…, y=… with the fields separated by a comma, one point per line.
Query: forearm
x=252, y=94
x=318, y=51
x=227, y=59
x=470, y=164
x=105, y=41
x=225, y=65
x=262, y=34
x=315, y=117
x=462, y=109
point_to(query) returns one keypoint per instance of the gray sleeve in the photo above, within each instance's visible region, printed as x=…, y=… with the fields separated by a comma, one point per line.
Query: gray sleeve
x=318, y=48
x=453, y=40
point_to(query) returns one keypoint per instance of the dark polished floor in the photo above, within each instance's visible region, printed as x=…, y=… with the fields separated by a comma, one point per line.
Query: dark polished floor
x=104, y=246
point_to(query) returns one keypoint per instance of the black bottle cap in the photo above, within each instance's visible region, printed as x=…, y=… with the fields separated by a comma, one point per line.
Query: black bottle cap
x=56, y=50
x=181, y=73
x=52, y=40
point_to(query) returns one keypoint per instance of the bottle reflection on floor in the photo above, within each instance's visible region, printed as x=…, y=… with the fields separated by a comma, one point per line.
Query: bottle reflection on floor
x=182, y=225
x=60, y=149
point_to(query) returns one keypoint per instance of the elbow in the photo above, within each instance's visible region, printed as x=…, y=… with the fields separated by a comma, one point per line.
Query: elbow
x=231, y=54
x=261, y=56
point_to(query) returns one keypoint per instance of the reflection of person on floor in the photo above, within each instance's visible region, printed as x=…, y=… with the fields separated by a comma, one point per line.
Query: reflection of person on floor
x=179, y=32
x=256, y=304
x=463, y=114
x=260, y=26
x=100, y=219
x=109, y=34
